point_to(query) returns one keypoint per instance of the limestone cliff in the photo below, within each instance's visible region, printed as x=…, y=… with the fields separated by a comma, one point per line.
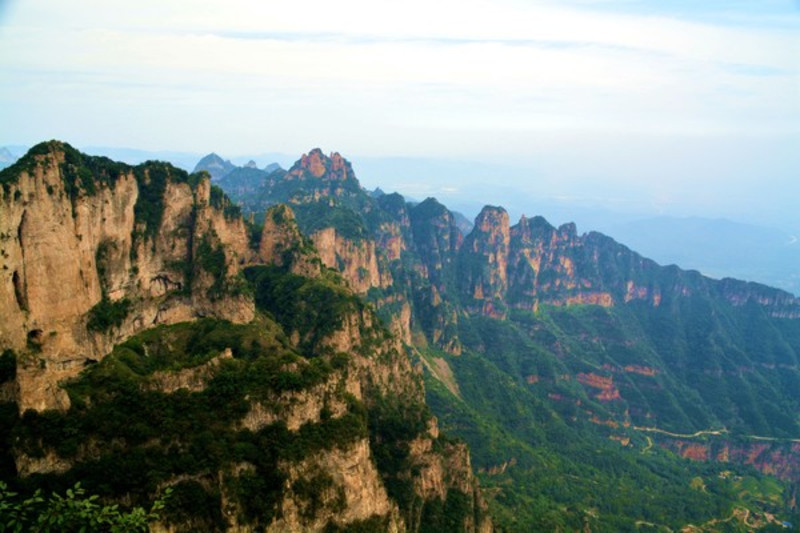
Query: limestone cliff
x=356, y=260
x=83, y=236
x=484, y=263
x=282, y=243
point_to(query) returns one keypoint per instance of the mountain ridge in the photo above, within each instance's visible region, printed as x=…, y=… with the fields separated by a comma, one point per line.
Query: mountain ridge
x=635, y=344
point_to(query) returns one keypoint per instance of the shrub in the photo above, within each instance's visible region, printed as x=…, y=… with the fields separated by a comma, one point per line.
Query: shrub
x=107, y=314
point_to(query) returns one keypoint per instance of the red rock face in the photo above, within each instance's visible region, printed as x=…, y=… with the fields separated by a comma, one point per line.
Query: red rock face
x=318, y=165
x=641, y=370
x=781, y=459
x=696, y=452
x=313, y=163
x=338, y=164
x=608, y=391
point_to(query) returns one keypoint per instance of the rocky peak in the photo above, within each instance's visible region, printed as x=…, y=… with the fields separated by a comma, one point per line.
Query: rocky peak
x=214, y=165
x=395, y=205
x=436, y=237
x=272, y=167
x=491, y=225
x=251, y=164
x=283, y=245
x=316, y=164
x=484, y=264
x=568, y=231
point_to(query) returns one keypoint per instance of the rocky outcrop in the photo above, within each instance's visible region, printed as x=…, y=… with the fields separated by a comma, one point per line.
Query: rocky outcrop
x=393, y=234
x=191, y=379
x=353, y=492
x=355, y=260
x=282, y=244
x=77, y=232
x=436, y=240
x=484, y=263
x=769, y=456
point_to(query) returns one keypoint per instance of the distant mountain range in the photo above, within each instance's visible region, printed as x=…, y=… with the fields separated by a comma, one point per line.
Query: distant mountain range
x=9, y=154
x=718, y=248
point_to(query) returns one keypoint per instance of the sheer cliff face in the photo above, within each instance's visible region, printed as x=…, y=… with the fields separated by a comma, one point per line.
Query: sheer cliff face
x=534, y=263
x=70, y=240
x=484, y=263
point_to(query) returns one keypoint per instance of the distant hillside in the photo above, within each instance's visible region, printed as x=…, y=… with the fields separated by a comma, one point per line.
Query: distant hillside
x=7, y=157
x=214, y=165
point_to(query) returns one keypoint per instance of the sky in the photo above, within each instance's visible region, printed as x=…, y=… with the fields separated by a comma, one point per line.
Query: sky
x=678, y=107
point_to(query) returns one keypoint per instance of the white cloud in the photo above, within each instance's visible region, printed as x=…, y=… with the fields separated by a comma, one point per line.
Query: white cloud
x=465, y=67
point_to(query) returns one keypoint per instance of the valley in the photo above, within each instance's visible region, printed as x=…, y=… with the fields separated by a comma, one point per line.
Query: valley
x=252, y=339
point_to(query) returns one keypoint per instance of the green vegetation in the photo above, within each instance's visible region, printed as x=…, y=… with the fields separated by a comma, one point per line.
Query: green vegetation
x=254, y=231
x=101, y=259
x=107, y=314
x=314, y=308
x=75, y=511
x=152, y=178
x=26, y=163
x=392, y=426
x=211, y=258
x=544, y=441
x=447, y=515
x=117, y=405
x=370, y=525
x=316, y=216
x=81, y=174
x=8, y=366
x=220, y=201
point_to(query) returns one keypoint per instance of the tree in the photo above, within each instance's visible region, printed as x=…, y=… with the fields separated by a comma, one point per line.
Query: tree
x=74, y=512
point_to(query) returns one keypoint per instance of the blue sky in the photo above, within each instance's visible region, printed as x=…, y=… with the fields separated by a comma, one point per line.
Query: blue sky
x=683, y=106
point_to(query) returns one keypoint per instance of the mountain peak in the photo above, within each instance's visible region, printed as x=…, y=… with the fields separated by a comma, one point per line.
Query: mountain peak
x=492, y=217
x=316, y=164
x=214, y=165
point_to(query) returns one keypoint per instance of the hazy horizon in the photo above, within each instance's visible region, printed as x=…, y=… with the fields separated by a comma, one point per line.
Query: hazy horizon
x=628, y=106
